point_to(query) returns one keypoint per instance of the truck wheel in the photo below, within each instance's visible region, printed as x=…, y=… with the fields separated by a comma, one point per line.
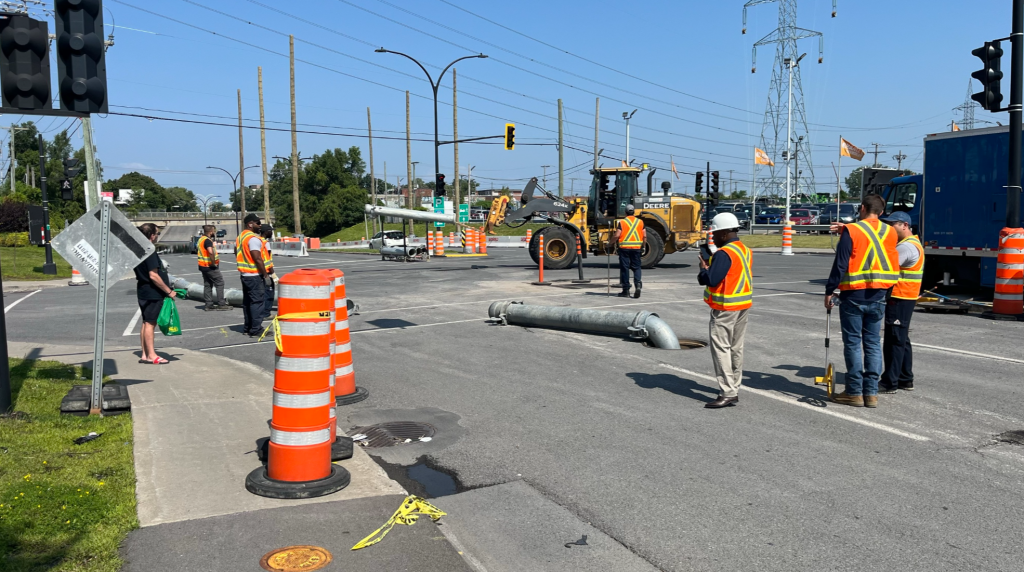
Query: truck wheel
x=559, y=248
x=653, y=250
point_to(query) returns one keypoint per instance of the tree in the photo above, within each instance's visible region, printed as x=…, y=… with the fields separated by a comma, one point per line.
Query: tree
x=332, y=191
x=253, y=200
x=149, y=195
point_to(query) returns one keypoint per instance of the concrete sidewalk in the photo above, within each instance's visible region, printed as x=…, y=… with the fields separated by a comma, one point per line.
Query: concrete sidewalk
x=28, y=285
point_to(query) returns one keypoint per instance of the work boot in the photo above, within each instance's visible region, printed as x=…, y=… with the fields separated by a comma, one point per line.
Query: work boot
x=847, y=399
x=639, y=285
x=871, y=401
x=222, y=307
x=624, y=293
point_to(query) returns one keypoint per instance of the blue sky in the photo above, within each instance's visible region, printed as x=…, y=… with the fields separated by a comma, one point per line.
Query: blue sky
x=904, y=64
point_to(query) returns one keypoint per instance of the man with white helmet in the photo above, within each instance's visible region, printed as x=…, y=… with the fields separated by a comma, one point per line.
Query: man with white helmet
x=728, y=290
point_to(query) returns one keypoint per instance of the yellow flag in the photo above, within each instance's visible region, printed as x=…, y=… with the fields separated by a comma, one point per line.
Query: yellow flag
x=956, y=127
x=847, y=149
x=761, y=158
x=674, y=171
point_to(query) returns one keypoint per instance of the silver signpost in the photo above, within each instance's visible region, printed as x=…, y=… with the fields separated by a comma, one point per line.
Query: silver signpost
x=96, y=401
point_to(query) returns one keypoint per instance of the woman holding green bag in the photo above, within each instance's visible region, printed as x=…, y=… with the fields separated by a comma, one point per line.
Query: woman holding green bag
x=152, y=289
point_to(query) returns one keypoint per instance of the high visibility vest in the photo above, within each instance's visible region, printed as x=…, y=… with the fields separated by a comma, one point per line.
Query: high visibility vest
x=909, y=286
x=735, y=292
x=268, y=259
x=631, y=233
x=203, y=252
x=874, y=263
x=243, y=258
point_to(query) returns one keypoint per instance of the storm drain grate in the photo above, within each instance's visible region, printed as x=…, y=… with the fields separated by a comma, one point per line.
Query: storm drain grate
x=1011, y=437
x=393, y=433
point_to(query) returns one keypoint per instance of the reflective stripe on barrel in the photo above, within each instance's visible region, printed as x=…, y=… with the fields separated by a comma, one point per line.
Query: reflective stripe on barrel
x=1008, y=297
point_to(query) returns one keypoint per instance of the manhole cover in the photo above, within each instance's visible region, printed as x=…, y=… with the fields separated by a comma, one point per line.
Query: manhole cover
x=296, y=559
x=684, y=344
x=1011, y=437
x=393, y=433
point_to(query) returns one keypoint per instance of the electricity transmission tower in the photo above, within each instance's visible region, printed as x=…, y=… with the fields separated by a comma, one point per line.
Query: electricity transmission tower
x=770, y=180
x=967, y=109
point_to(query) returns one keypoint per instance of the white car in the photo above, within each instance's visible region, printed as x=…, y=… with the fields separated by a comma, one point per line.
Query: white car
x=389, y=238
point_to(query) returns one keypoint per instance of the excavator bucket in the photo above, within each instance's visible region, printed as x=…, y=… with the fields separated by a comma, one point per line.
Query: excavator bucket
x=497, y=214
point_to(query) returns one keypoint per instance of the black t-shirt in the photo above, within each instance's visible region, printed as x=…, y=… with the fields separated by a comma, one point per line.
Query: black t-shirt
x=145, y=288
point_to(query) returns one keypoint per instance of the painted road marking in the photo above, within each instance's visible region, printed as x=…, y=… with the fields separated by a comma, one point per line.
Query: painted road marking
x=966, y=353
x=784, y=398
x=20, y=300
x=131, y=325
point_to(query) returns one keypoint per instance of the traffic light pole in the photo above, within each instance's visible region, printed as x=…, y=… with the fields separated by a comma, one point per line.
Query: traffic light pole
x=48, y=267
x=1013, y=184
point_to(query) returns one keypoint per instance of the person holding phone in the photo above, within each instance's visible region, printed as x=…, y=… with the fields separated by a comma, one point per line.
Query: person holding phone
x=728, y=290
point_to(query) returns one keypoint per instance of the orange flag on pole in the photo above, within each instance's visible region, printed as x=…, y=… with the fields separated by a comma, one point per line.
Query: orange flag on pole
x=847, y=149
x=956, y=127
x=761, y=158
x=674, y=171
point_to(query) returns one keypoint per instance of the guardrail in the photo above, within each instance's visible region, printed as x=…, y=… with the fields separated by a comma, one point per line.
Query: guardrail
x=191, y=215
x=796, y=228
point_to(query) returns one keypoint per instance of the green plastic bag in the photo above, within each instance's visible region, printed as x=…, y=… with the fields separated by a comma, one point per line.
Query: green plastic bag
x=168, y=321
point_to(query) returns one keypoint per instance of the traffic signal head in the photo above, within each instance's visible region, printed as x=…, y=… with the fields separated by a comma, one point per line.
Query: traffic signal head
x=989, y=75
x=65, y=190
x=24, y=62
x=700, y=182
x=71, y=168
x=439, y=185
x=510, y=136
x=81, y=68
x=713, y=193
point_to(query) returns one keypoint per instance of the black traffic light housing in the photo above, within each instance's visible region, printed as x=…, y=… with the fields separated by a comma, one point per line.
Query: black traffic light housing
x=700, y=182
x=439, y=185
x=510, y=136
x=81, y=66
x=24, y=62
x=71, y=168
x=713, y=194
x=989, y=75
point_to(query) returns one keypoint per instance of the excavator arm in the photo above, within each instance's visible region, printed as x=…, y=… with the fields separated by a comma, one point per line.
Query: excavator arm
x=535, y=206
x=496, y=216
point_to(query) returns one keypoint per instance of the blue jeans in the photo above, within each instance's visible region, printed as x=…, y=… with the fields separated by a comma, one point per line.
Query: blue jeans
x=253, y=295
x=629, y=259
x=862, y=326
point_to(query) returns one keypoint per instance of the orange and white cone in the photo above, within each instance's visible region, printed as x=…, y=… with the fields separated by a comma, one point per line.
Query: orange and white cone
x=77, y=279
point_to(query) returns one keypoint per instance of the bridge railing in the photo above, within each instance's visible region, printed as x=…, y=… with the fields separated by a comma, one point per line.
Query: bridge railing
x=178, y=215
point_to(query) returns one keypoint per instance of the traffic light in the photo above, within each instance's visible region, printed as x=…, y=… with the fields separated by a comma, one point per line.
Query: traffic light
x=439, y=185
x=81, y=69
x=24, y=62
x=65, y=190
x=71, y=168
x=713, y=193
x=510, y=136
x=700, y=182
x=989, y=75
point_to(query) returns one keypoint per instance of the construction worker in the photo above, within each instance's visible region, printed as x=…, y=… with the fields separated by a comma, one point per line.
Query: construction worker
x=729, y=292
x=865, y=268
x=267, y=235
x=630, y=240
x=249, y=257
x=899, y=308
x=209, y=267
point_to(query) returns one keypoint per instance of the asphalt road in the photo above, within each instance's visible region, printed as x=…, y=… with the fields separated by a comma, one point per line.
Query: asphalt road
x=616, y=433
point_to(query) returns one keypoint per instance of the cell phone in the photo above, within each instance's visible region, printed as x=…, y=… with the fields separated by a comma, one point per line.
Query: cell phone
x=705, y=253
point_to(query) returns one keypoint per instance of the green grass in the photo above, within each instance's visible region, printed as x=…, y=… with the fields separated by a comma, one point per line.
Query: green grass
x=63, y=506
x=26, y=263
x=799, y=240
x=358, y=231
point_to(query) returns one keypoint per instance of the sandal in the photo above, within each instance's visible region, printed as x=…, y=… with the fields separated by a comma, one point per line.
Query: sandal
x=159, y=361
x=144, y=361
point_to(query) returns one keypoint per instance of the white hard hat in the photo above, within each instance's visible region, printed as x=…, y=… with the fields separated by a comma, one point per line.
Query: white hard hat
x=724, y=221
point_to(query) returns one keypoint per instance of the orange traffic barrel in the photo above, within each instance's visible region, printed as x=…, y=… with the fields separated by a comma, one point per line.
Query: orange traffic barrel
x=430, y=242
x=529, y=235
x=787, y=239
x=439, y=244
x=483, y=243
x=1009, y=291
x=345, y=390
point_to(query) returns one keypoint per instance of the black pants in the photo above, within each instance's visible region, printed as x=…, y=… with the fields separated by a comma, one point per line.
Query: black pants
x=896, y=350
x=212, y=278
x=629, y=259
x=254, y=292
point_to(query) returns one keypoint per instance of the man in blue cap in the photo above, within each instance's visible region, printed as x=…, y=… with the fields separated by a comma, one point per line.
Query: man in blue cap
x=899, y=308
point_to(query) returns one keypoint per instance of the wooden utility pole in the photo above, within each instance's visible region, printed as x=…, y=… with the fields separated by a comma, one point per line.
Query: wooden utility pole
x=408, y=151
x=561, y=155
x=373, y=178
x=597, y=122
x=455, y=137
x=263, y=151
x=241, y=159
x=295, y=141
x=92, y=191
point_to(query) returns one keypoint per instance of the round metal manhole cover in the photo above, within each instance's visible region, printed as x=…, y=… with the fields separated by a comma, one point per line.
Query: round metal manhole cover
x=296, y=559
x=684, y=344
x=1011, y=437
x=393, y=433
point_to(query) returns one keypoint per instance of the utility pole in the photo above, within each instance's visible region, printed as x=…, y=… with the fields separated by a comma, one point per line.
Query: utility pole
x=413, y=179
x=597, y=123
x=92, y=189
x=263, y=150
x=900, y=157
x=561, y=155
x=545, y=167
x=295, y=140
x=876, y=153
x=469, y=178
x=627, y=116
x=14, y=165
x=408, y=152
x=1016, y=103
x=455, y=138
x=241, y=157
x=732, y=186
x=373, y=179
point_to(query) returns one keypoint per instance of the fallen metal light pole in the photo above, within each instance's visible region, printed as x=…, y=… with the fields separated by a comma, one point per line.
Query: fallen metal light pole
x=195, y=291
x=409, y=214
x=639, y=325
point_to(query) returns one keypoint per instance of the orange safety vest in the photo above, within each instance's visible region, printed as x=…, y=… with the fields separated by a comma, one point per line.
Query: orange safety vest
x=735, y=292
x=874, y=263
x=202, y=252
x=243, y=258
x=631, y=233
x=268, y=259
x=909, y=286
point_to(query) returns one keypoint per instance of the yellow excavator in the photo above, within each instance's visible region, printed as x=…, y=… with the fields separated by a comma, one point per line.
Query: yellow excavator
x=673, y=222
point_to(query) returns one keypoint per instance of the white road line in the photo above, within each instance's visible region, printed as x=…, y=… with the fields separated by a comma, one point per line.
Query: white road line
x=966, y=353
x=20, y=300
x=131, y=325
x=792, y=401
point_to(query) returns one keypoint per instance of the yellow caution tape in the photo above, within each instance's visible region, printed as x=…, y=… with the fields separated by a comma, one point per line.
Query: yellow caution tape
x=410, y=511
x=296, y=316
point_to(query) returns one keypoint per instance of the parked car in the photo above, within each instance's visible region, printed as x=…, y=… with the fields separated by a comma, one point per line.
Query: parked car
x=772, y=215
x=803, y=216
x=843, y=212
x=222, y=233
x=741, y=216
x=388, y=237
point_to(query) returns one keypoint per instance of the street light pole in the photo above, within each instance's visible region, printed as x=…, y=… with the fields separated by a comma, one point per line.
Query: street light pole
x=234, y=185
x=627, y=117
x=433, y=86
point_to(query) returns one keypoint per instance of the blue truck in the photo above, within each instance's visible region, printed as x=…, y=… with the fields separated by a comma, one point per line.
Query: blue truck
x=958, y=204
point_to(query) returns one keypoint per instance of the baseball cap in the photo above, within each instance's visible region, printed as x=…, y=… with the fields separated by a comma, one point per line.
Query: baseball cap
x=898, y=216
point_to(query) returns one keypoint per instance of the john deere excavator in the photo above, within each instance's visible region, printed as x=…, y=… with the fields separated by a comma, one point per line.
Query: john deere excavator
x=673, y=222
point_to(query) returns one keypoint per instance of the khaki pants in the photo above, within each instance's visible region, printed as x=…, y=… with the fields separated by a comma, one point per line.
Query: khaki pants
x=726, y=331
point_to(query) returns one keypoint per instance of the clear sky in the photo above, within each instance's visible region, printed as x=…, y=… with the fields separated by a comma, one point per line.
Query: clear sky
x=892, y=73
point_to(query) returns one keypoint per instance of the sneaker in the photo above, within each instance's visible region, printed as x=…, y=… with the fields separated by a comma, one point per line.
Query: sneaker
x=624, y=294
x=907, y=386
x=871, y=401
x=847, y=399
x=886, y=390
x=222, y=307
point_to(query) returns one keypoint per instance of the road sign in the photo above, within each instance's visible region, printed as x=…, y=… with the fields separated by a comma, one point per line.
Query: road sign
x=439, y=209
x=464, y=212
x=80, y=244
